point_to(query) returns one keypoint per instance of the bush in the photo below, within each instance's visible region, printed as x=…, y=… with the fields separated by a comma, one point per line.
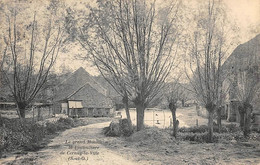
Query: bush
x=199, y=134
x=51, y=128
x=230, y=128
x=200, y=129
x=217, y=137
x=67, y=121
x=16, y=134
x=61, y=125
x=190, y=136
x=36, y=132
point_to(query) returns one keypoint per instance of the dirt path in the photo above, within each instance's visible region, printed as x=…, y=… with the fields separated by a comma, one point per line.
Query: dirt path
x=81, y=146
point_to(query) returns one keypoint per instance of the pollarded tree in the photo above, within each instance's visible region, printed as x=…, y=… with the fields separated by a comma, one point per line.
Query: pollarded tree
x=248, y=85
x=131, y=42
x=209, y=45
x=174, y=92
x=245, y=80
x=31, y=48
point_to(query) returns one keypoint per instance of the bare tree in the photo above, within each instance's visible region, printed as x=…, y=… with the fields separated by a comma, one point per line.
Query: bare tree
x=248, y=80
x=131, y=44
x=209, y=45
x=173, y=94
x=30, y=52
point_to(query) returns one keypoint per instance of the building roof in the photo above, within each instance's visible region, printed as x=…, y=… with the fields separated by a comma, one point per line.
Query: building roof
x=244, y=55
x=91, y=97
x=81, y=86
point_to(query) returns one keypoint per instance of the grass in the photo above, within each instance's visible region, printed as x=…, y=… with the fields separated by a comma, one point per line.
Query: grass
x=32, y=136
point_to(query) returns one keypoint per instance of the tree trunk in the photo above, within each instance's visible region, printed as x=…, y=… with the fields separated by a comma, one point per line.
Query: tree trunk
x=140, y=116
x=242, y=111
x=21, y=108
x=210, y=108
x=49, y=111
x=219, y=119
x=173, y=108
x=33, y=113
x=210, y=126
x=39, y=114
x=242, y=120
x=128, y=116
x=248, y=109
x=182, y=102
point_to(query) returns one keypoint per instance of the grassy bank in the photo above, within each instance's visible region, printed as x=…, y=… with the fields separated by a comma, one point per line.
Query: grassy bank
x=31, y=136
x=157, y=146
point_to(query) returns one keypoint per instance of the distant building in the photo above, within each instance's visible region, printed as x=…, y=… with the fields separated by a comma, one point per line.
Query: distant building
x=244, y=60
x=80, y=95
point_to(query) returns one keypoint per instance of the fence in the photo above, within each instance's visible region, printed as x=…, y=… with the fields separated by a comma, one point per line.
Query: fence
x=153, y=117
x=36, y=113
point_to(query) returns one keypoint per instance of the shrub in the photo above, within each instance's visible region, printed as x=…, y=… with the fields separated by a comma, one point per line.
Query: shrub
x=51, y=128
x=36, y=133
x=199, y=134
x=197, y=137
x=67, y=121
x=217, y=137
x=61, y=125
x=17, y=134
x=230, y=128
x=200, y=129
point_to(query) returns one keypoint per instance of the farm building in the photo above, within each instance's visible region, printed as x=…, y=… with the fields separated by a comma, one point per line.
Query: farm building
x=80, y=95
x=244, y=60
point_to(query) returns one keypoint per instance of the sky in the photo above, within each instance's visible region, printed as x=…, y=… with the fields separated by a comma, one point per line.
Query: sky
x=246, y=13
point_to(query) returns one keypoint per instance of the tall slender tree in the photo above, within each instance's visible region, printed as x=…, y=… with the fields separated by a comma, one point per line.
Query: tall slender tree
x=248, y=85
x=31, y=48
x=209, y=46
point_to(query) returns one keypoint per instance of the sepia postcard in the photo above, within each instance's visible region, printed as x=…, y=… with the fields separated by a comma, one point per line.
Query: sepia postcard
x=129, y=82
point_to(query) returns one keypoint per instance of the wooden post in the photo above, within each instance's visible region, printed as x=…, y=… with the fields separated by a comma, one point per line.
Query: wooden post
x=153, y=118
x=197, y=122
x=39, y=113
x=33, y=113
x=164, y=120
x=68, y=108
